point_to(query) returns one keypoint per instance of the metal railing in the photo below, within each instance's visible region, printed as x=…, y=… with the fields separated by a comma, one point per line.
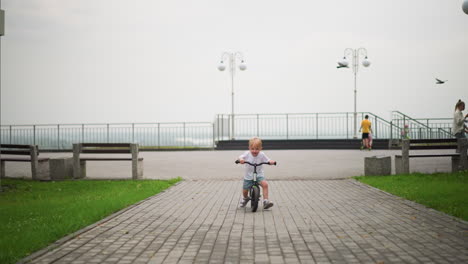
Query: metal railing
x=205, y=135
x=426, y=128
x=147, y=135
x=299, y=126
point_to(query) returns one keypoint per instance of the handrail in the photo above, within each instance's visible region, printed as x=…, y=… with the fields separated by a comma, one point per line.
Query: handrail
x=104, y=124
x=445, y=131
x=412, y=119
x=379, y=118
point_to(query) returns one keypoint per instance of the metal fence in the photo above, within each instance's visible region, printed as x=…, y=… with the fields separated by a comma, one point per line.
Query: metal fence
x=147, y=135
x=426, y=128
x=300, y=126
x=205, y=135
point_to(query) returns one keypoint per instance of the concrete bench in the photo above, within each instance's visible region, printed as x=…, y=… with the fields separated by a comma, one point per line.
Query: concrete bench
x=459, y=160
x=25, y=153
x=79, y=163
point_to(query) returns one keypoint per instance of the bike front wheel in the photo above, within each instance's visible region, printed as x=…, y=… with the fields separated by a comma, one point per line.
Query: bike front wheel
x=255, y=196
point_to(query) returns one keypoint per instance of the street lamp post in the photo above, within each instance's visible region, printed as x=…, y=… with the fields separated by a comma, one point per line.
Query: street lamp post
x=233, y=57
x=355, y=53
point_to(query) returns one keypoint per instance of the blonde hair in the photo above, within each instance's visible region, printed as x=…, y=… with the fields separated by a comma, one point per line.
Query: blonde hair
x=460, y=102
x=255, y=141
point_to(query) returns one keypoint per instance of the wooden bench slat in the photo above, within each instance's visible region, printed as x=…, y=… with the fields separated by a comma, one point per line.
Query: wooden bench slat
x=433, y=155
x=22, y=159
x=434, y=141
x=16, y=152
x=433, y=144
x=449, y=143
x=106, y=145
x=430, y=155
x=106, y=151
x=433, y=147
x=109, y=159
x=15, y=146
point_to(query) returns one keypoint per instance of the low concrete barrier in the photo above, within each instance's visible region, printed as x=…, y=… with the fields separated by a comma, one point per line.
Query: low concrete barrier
x=377, y=165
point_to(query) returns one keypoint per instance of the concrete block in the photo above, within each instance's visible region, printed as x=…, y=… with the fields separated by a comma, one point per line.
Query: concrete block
x=137, y=163
x=2, y=169
x=42, y=171
x=82, y=170
x=61, y=168
x=77, y=173
x=456, y=164
x=377, y=165
x=463, y=148
x=140, y=168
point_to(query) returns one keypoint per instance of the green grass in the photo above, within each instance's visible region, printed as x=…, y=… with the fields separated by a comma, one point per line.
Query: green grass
x=34, y=214
x=446, y=192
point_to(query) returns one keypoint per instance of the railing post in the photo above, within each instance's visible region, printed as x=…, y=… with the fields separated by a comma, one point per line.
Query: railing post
x=316, y=125
x=391, y=129
x=58, y=136
x=34, y=134
x=184, y=133
x=258, y=126
x=287, y=126
x=107, y=133
x=213, y=142
x=222, y=127
x=159, y=135
x=216, y=128
x=347, y=128
x=376, y=128
x=11, y=130
x=229, y=127
x=82, y=133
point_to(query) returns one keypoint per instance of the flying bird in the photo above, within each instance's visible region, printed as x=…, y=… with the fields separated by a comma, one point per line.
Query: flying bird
x=341, y=65
x=440, y=81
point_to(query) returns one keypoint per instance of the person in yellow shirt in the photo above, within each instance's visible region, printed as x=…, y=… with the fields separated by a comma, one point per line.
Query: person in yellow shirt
x=366, y=130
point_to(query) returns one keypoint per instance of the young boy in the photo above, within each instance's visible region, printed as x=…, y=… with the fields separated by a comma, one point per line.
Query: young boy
x=255, y=155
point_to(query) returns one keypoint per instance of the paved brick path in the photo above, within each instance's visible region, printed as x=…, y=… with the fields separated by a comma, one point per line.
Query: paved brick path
x=313, y=221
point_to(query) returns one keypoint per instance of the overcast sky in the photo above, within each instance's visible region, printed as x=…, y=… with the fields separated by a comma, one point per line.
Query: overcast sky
x=108, y=61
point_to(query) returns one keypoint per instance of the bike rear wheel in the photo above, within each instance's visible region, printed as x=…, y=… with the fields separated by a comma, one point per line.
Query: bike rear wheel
x=255, y=196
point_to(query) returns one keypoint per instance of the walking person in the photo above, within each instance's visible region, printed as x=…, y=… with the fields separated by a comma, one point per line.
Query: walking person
x=366, y=129
x=459, y=128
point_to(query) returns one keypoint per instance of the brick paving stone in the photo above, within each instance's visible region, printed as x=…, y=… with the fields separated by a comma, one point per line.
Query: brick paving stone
x=313, y=221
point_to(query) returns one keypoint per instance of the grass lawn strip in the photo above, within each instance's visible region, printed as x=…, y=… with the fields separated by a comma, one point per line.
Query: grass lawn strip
x=35, y=214
x=446, y=192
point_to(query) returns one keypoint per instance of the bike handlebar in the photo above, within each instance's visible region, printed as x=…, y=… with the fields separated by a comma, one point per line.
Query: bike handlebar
x=255, y=164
